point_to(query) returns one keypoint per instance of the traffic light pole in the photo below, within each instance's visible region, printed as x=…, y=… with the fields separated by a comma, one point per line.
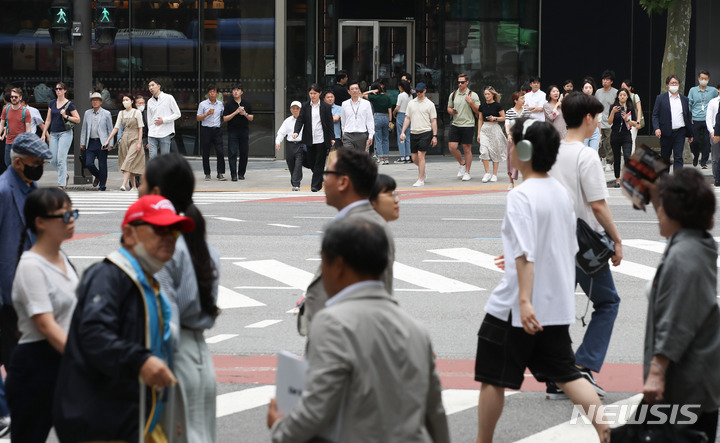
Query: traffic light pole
x=82, y=72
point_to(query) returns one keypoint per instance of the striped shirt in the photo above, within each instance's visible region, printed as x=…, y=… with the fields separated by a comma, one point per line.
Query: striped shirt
x=511, y=115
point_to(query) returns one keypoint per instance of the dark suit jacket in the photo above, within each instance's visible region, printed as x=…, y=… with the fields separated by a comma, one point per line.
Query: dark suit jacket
x=305, y=119
x=716, y=130
x=662, y=119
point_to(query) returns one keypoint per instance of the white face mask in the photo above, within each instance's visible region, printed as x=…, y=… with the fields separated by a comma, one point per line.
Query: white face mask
x=703, y=82
x=141, y=108
x=673, y=89
x=127, y=104
x=148, y=263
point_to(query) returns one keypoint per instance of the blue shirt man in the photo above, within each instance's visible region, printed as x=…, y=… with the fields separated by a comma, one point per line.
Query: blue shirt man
x=699, y=98
x=336, y=110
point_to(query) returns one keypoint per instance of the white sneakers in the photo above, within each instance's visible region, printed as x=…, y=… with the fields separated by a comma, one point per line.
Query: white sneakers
x=461, y=171
x=486, y=178
x=465, y=177
x=493, y=178
x=418, y=183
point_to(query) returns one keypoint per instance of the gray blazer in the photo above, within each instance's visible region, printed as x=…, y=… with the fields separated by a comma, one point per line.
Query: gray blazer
x=105, y=126
x=316, y=297
x=372, y=363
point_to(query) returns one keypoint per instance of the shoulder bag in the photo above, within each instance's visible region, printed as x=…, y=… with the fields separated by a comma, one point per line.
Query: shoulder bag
x=68, y=124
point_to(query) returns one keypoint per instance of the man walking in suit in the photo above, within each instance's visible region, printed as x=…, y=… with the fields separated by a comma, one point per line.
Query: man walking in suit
x=96, y=126
x=349, y=179
x=672, y=122
x=370, y=365
x=318, y=135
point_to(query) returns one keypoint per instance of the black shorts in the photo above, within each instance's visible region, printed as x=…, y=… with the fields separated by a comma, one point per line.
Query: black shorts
x=461, y=135
x=505, y=351
x=420, y=142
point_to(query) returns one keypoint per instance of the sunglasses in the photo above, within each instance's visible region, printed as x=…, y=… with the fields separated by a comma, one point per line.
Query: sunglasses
x=326, y=173
x=65, y=216
x=14, y=96
x=489, y=88
x=161, y=231
x=461, y=83
x=59, y=89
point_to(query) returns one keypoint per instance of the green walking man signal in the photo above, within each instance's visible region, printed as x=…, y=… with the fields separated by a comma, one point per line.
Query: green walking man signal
x=105, y=15
x=61, y=16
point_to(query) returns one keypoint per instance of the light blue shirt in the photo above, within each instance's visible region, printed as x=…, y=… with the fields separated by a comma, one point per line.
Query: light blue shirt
x=214, y=120
x=362, y=284
x=699, y=101
x=336, y=110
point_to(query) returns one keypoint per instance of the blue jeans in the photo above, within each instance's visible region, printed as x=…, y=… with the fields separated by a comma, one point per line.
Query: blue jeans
x=4, y=410
x=403, y=147
x=162, y=142
x=94, y=150
x=8, y=148
x=382, y=134
x=673, y=144
x=605, y=300
x=59, y=146
x=594, y=140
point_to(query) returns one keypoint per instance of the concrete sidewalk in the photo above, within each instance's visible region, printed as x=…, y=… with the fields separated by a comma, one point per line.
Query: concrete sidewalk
x=273, y=175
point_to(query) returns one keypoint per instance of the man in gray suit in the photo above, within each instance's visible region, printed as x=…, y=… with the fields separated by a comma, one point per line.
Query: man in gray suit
x=371, y=372
x=96, y=128
x=349, y=179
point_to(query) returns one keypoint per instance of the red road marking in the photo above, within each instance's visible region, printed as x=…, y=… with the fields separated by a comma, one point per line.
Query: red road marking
x=83, y=236
x=454, y=374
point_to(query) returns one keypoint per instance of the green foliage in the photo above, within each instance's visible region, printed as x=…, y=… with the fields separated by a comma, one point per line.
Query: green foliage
x=656, y=6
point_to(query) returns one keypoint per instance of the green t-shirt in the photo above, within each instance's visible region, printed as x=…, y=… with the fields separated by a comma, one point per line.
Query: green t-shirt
x=465, y=117
x=380, y=102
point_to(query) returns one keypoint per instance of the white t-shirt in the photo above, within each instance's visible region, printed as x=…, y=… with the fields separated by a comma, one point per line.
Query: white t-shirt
x=421, y=114
x=536, y=99
x=592, y=178
x=402, y=101
x=40, y=287
x=540, y=224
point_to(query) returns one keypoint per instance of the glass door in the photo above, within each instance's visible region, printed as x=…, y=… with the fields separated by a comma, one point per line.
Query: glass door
x=372, y=49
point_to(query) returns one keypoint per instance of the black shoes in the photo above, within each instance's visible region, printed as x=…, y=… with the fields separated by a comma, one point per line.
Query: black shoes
x=96, y=182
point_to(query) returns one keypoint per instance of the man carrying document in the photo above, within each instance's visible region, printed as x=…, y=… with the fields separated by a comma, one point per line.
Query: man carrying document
x=371, y=370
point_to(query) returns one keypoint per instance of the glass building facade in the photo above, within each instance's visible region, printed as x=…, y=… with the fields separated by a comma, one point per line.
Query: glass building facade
x=276, y=49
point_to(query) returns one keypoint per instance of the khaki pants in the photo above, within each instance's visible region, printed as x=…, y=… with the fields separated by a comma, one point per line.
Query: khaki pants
x=605, y=148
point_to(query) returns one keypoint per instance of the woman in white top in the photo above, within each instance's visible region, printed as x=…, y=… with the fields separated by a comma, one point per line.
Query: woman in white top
x=131, y=158
x=627, y=84
x=402, y=101
x=43, y=295
x=537, y=291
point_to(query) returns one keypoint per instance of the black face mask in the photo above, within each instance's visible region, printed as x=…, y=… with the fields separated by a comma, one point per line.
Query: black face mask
x=33, y=172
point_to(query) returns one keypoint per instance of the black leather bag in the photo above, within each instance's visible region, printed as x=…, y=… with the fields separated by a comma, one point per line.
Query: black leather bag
x=595, y=249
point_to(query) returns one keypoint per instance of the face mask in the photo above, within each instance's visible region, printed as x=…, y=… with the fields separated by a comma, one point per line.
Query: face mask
x=673, y=89
x=148, y=263
x=703, y=82
x=141, y=108
x=33, y=172
x=127, y=104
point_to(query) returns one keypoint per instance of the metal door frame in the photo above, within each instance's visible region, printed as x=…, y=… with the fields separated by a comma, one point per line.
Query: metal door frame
x=376, y=25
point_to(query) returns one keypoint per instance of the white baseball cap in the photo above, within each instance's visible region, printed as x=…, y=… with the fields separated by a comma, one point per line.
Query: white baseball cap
x=296, y=103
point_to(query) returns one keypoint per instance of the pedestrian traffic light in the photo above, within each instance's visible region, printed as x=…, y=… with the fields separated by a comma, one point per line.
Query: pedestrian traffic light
x=105, y=29
x=61, y=27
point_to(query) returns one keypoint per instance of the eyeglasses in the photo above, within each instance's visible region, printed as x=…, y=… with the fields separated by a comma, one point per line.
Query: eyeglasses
x=161, y=231
x=395, y=195
x=65, y=216
x=326, y=173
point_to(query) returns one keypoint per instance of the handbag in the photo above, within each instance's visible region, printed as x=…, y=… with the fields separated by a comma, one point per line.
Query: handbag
x=595, y=248
x=68, y=124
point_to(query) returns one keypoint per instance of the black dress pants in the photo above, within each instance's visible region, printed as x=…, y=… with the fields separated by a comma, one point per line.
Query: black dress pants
x=317, y=154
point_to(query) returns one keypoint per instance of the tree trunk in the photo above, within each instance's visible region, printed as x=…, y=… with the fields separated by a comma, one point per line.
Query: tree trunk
x=676, y=41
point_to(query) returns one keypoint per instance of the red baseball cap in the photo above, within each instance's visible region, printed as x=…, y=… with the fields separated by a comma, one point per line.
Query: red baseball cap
x=157, y=210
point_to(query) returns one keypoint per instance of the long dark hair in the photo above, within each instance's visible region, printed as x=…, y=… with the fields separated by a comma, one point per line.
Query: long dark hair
x=629, y=105
x=172, y=174
x=40, y=202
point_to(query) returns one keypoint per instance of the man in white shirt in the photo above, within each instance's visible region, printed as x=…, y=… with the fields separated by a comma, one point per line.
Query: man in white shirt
x=162, y=111
x=710, y=117
x=358, y=123
x=579, y=170
x=37, y=120
x=672, y=122
x=210, y=116
x=421, y=117
x=535, y=99
x=606, y=95
x=294, y=149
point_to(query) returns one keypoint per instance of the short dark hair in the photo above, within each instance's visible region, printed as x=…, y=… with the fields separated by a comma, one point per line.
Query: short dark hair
x=534, y=79
x=211, y=87
x=525, y=87
x=407, y=76
x=550, y=88
x=315, y=87
x=156, y=81
x=670, y=77
x=577, y=105
x=238, y=86
x=463, y=75
x=363, y=246
x=703, y=72
x=688, y=199
x=588, y=81
x=324, y=94
x=340, y=75
x=545, y=140
x=608, y=74
x=140, y=96
x=384, y=183
x=359, y=167
x=516, y=95
x=568, y=82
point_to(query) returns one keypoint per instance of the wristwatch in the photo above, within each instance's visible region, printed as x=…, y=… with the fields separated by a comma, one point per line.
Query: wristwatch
x=434, y=135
